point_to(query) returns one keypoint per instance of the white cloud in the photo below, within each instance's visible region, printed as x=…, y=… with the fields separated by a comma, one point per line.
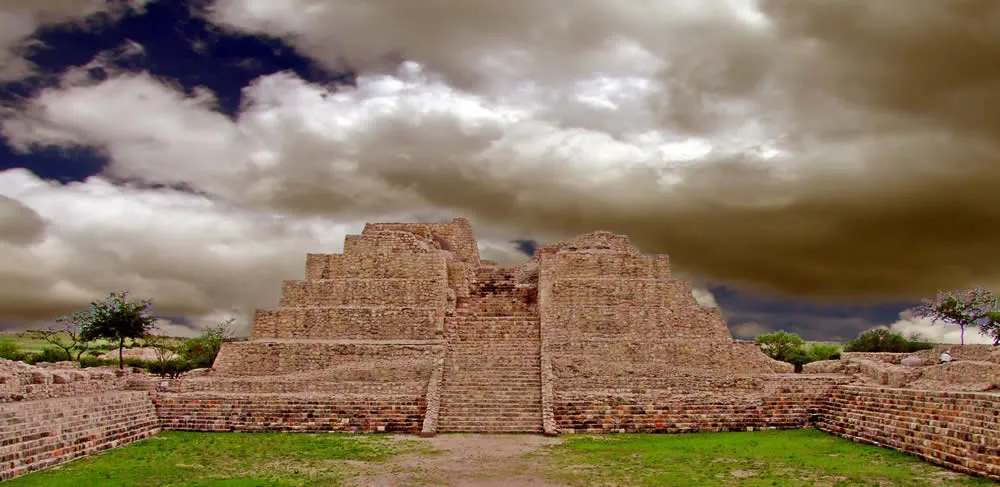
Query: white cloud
x=194, y=256
x=19, y=19
x=939, y=332
x=765, y=150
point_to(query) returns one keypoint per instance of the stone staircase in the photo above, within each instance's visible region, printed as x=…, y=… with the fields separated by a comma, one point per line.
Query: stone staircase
x=492, y=371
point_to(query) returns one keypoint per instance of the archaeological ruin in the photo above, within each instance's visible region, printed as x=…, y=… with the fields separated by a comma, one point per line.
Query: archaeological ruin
x=410, y=331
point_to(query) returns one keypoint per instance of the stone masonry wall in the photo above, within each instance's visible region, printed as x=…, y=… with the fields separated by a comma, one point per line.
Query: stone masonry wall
x=349, y=323
x=650, y=325
x=456, y=236
x=22, y=382
x=958, y=430
x=781, y=403
x=391, y=293
x=366, y=266
x=41, y=434
x=220, y=412
x=257, y=358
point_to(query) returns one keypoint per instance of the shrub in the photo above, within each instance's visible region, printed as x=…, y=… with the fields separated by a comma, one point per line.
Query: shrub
x=10, y=350
x=51, y=355
x=202, y=350
x=170, y=368
x=885, y=340
x=822, y=351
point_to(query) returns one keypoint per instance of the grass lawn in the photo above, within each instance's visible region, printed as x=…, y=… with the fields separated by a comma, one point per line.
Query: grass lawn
x=175, y=458
x=26, y=342
x=772, y=458
x=805, y=457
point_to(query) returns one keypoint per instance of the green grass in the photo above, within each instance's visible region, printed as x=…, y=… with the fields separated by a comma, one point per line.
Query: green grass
x=26, y=342
x=772, y=458
x=223, y=460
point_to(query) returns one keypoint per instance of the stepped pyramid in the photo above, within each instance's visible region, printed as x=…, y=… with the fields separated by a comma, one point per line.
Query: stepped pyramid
x=409, y=312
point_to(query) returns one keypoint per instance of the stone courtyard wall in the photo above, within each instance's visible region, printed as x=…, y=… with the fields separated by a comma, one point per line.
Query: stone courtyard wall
x=45, y=433
x=354, y=413
x=22, y=382
x=957, y=430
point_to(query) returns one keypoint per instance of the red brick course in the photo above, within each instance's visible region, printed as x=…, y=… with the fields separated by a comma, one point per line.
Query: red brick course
x=957, y=430
x=40, y=434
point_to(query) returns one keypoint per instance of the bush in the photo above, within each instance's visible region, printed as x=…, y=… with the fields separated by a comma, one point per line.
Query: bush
x=820, y=351
x=10, y=350
x=50, y=355
x=93, y=361
x=885, y=340
x=202, y=350
x=170, y=368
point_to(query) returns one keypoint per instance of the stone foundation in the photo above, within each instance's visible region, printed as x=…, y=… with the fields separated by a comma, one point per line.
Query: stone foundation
x=42, y=434
x=957, y=430
x=291, y=412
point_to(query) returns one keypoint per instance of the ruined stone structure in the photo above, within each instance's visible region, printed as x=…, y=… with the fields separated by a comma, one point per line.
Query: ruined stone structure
x=588, y=325
x=410, y=331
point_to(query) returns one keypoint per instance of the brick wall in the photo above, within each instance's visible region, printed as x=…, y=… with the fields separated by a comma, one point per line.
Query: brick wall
x=290, y=412
x=604, y=331
x=351, y=323
x=456, y=235
x=259, y=358
x=397, y=266
x=958, y=430
x=23, y=382
x=781, y=403
x=396, y=293
x=42, y=434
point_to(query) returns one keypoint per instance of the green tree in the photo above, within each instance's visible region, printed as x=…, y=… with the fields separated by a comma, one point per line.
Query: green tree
x=783, y=346
x=822, y=351
x=990, y=326
x=884, y=340
x=68, y=339
x=964, y=307
x=115, y=319
x=202, y=350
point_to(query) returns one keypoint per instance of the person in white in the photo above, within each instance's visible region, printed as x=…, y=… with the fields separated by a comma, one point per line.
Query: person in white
x=946, y=357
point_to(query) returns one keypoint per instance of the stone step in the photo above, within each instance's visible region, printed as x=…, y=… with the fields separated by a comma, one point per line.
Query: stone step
x=489, y=427
x=453, y=407
x=472, y=397
x=469, y=387
x=520, y=417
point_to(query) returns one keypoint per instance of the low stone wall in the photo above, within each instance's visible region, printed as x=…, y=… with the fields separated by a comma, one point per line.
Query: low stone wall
x=958, y=430
x=23, y=382
x=288, y=357
x=41, y=434
x=777, y=403
x=290, y=412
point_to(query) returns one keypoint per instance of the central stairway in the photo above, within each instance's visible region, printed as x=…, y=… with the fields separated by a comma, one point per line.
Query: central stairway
x=492, y=372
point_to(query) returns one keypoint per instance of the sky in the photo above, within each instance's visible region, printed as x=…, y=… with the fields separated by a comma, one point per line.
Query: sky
x=817, y=166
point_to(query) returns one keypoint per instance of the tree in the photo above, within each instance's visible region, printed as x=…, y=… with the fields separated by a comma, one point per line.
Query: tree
x=115, y=319
x=202, y=350
x=964, y=307
x=68, y=339
x=820, y=351
x=884, y=340
x=779, y=345
x=990, y=326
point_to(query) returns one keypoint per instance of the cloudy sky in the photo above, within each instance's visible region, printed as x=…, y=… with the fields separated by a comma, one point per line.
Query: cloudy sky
x=814, y=166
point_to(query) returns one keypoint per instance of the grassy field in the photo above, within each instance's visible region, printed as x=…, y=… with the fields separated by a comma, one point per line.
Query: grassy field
x=223, y=460
x=26, y=342
x=775, y=458
x=804, y=458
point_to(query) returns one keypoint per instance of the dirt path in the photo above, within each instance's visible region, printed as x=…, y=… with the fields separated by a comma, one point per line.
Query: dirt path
x=465, y=461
